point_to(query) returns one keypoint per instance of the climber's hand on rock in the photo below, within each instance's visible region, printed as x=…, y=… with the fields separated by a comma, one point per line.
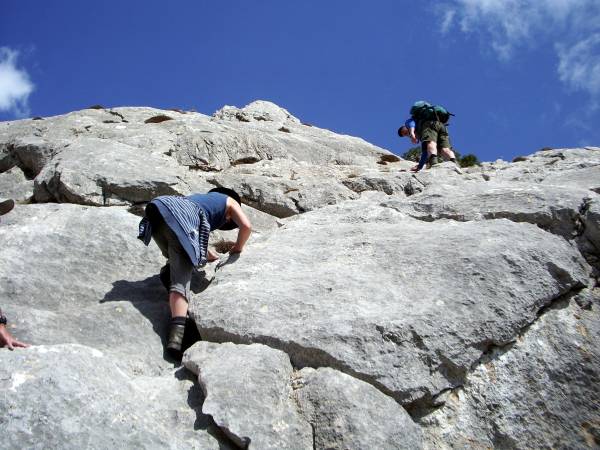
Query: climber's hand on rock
x=235, y=249
x=7, y=340
x=212, y=256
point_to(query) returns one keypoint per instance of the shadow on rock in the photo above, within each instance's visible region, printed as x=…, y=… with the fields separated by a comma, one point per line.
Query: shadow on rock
x=150, y=298
x=230, y=260
x=203, y=421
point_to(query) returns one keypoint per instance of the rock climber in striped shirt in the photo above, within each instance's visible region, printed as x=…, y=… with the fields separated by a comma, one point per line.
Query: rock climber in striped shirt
x=180, y=226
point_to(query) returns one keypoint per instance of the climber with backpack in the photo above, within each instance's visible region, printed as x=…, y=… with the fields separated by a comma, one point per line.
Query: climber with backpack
x=428, y=124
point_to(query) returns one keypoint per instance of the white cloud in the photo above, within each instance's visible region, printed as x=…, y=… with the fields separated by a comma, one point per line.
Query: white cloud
x=571, y=27
x=447, y=20
x=15, y=85
x=579, y=65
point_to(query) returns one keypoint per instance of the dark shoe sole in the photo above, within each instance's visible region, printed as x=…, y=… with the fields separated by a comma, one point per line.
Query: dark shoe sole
x=6, y=206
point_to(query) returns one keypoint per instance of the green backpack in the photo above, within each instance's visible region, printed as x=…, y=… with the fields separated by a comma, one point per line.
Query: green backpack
x=422, y=110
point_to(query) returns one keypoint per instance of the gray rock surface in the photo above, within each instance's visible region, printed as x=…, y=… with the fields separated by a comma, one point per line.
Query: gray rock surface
x=249, y=394
x=463, y=298
x=77, y=284
x=552, y=208
x=283, y=188
x=99, y=172
x=259, y=401
x=348, y=413
x=592, y=222
x=406, y=333
x=579, y=168
x=74, y=397
x=388, y=180
x=14, y=184
x=541, y=391
x=67, y=268
x=114, y=156
x=30, y=152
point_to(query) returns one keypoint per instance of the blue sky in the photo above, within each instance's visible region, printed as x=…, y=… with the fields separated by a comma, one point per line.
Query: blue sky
x=519, y=74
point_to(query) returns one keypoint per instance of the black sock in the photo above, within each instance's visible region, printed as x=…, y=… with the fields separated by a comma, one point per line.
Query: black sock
x=180, y=320
x=453, y=160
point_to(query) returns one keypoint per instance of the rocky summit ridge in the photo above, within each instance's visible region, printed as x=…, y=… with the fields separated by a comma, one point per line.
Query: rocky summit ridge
x=372, y=308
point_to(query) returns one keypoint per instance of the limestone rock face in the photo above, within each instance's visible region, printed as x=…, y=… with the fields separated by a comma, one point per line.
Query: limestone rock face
x=283, y=188
x=334, y=315
x=78, y=275
x=592, y=222
x=546, y=372
x=579, y=168
x=73, y=397
x=14, y=184
x=99, y=172
x=249, y=394
x=371, y=308
x=123, y=156
x=257, y=111
x=552, y=208
x=348, y=413
x=255, y=395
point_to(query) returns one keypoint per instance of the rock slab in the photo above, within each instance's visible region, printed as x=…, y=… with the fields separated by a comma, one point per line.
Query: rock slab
x=403, y=304
x=541, y=392
x=74, y=397
x=249, y=395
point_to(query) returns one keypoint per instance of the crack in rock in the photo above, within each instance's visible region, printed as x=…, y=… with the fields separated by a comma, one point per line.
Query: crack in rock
x=490, y=352
x=302, y=356
x=539, y=391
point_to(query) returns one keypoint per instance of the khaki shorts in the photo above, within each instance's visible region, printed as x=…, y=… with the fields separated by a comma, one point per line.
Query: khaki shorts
x=434, y=131
x=181, y=267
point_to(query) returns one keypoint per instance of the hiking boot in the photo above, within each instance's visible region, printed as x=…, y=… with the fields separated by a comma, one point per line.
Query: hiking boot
x=433, y=160
x=176, y=333
x=6, y=206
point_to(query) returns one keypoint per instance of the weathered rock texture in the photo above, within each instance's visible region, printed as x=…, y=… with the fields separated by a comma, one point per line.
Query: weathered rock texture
x=445, y=292
x=335, y=405
x=73, y=396
x=249, y=394
x=547, y=372
x=14, y=184
x=255, y=395
x=371, y=308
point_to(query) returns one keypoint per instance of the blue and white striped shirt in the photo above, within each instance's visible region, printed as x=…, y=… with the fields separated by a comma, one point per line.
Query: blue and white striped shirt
x=188, y=222
x=193, y=222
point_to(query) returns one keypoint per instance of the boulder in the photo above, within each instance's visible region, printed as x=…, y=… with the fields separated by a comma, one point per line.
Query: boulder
x=32, y=152
x=282, y=188
x=14, y=184
x=348, y=413
x=259, y=401
x=257, y=111
x=249, y=394
x=406, y=305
